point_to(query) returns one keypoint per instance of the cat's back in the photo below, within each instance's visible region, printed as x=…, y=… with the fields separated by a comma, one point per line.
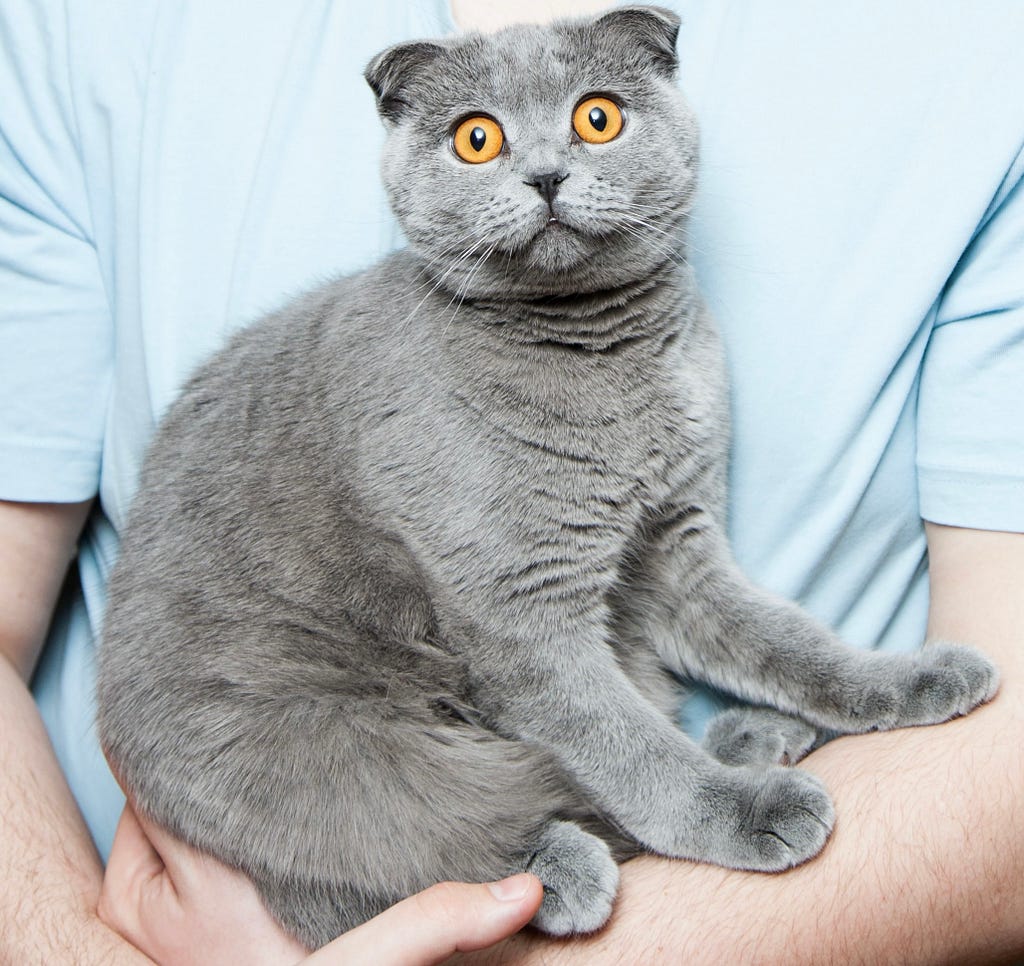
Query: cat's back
x=296, y=380
x=254, y=463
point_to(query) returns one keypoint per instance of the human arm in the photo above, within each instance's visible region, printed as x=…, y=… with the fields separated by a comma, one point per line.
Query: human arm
x=49, y=869
x=925, y=862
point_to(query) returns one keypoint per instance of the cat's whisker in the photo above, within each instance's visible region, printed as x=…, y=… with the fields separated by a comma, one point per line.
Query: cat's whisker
x=434, y=285
x=638, y=206
x=674, y=229
x=464, y=288
x=459, y=256
x=670, y=252
x=508, y=266
x=662, y=222
x=678, y=225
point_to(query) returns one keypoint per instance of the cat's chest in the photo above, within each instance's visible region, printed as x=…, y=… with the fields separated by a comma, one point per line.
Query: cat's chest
x=598, y=435
x=523, y=481
x=550, y=503
x=552, y=494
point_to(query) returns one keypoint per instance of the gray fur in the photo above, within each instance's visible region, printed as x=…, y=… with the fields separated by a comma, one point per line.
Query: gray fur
x=416, y=561
x=758, y=736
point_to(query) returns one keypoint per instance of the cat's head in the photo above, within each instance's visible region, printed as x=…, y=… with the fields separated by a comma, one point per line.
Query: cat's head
x=540, y=160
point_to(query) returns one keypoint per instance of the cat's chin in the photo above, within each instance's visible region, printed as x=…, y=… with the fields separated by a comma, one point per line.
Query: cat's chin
x=557, y=247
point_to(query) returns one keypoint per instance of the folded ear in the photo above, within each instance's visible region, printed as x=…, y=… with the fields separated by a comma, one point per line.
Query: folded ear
x=654, y=29
x=392, y=71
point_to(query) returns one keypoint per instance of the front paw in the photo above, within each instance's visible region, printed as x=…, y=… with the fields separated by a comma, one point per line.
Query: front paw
x=947, y=680
x=766, y=821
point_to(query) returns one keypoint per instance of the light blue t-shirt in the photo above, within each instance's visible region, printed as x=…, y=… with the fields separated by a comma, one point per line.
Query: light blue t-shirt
x=170, y=170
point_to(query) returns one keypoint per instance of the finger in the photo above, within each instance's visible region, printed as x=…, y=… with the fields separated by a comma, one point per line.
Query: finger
x=132, y=866
x=201, y=912
x=173, y=855
x=132, y=853
x=429, y=927
x=185, y=864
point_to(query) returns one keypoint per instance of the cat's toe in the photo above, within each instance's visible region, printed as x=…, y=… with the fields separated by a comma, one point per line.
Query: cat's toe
x=980, y=674
x=789, y=819
x=580, y=880
x=758, y=736
x=948, y=680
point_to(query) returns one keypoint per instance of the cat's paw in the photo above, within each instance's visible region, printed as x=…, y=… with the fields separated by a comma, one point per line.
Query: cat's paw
x=580, y=880
x=758, y=736
x=947, y=680
x=782, y=817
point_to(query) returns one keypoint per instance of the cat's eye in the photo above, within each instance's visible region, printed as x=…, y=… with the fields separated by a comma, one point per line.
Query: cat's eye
x=597, y=120
x=478, y=139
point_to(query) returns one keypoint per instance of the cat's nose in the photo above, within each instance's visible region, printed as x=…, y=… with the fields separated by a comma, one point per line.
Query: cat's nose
x=547, y=184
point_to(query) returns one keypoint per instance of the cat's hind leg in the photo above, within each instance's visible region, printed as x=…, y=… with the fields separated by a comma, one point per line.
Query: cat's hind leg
x=340, y=794
x=580, y=879
x=419, y=800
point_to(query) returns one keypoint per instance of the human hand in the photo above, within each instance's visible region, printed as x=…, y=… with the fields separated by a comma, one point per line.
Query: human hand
x=434, y=924
x=182, y=907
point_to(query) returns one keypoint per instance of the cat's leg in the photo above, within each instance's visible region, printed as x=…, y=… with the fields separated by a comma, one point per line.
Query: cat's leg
x=580, y=879
x=709, y=622
x=642, y=773
x=579, y=876
x=341, y=768
x=743, y=735
x=342, y=817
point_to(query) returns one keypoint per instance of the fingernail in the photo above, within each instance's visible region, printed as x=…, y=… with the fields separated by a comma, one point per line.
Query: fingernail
x=512, y=888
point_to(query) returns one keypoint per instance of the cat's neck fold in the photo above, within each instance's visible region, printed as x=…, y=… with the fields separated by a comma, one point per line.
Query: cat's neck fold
x=643, y=311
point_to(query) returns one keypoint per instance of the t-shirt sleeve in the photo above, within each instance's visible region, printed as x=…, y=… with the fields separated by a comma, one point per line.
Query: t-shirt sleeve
x=970, y=454
x=55, y=324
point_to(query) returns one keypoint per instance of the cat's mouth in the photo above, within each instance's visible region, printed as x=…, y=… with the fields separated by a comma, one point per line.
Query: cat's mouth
x=556, y=222
x=557, y=243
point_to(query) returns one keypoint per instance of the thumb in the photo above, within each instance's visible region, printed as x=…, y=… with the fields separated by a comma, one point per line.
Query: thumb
x=430, y=926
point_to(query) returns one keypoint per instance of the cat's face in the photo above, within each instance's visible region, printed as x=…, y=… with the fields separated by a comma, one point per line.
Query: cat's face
x=540, y=160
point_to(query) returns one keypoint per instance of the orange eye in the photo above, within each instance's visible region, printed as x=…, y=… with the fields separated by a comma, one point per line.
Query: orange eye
x=478, y=139
x=597, y=120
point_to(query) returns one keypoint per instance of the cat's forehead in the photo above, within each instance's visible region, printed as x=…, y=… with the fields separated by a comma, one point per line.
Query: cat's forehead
x=530, y=68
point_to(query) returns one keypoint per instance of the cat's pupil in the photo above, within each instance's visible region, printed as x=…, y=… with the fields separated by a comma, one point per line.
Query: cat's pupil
x=478, y=138
x=598, y=119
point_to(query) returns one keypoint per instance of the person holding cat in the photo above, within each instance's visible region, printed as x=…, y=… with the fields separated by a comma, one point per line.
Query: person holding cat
x=928, y=358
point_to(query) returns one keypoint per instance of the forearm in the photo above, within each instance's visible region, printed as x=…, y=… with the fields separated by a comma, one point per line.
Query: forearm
x=926, y=864
x=50, y=874
x=924, y=867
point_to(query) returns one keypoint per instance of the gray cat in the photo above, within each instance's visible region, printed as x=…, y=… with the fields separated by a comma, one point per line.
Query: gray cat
x=417, y=562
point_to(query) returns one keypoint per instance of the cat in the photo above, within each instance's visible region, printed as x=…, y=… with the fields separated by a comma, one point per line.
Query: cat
x=418, y=563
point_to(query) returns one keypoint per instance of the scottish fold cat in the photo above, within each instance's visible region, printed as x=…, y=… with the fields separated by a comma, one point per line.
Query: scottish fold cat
x=418, y=562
